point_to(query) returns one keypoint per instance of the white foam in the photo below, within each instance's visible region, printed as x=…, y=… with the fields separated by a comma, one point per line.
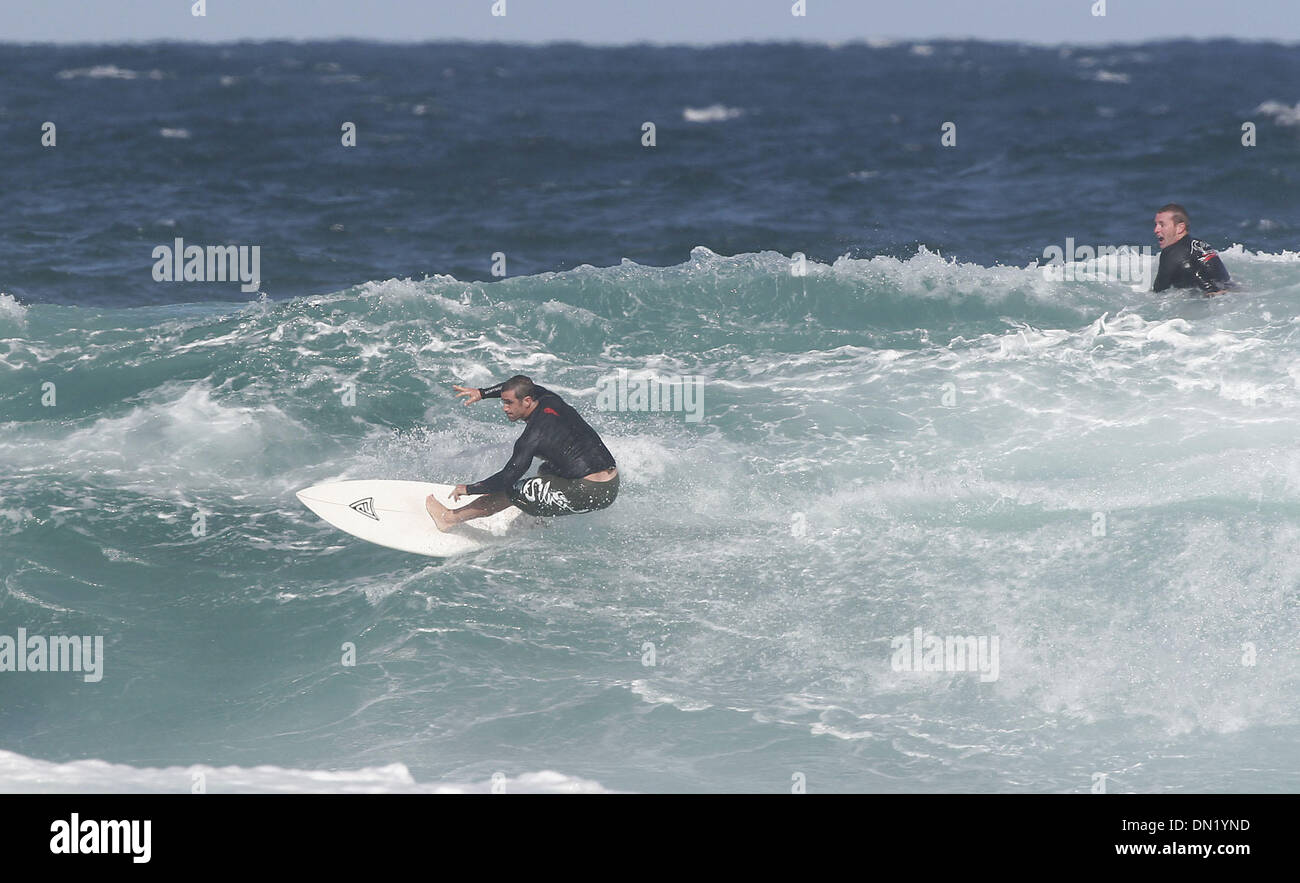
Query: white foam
x=25, y=775
x=1283, y=114
x=182, y=429
x=658, y=695
x=714, y=113
x=107, y=72
x=12, y=310
x=1282, y=257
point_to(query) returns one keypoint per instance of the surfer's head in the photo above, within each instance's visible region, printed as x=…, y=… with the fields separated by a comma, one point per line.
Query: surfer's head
x=1171, y=224
x=519, y=397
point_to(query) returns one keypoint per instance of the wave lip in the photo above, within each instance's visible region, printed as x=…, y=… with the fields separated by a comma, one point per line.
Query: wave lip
x=1282, y=114
x=25, y=775
x=106, y=72
x=11, y=309
x=714, y=113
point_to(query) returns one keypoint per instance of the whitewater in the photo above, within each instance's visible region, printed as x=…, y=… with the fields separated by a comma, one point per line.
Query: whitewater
x=1103, y=479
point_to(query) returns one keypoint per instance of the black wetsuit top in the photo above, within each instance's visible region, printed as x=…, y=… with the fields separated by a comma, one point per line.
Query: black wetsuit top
x=569, y=447
x=1191, y=263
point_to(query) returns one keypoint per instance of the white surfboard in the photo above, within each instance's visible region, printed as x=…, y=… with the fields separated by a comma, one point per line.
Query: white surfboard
x=392, y=514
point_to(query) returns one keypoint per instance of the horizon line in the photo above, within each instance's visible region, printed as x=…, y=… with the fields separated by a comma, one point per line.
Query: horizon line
x=856, y=42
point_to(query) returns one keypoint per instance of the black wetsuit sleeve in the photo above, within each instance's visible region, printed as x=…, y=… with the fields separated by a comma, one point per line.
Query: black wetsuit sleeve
x=1206, y=267
x=1165, y=274
x=494, y=392
x=1191, y=263
x=1204, y=277
x=520, y=460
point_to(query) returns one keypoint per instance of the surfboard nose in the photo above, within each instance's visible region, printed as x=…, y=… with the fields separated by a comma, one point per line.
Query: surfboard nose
x=309, y=495
x=314, y=500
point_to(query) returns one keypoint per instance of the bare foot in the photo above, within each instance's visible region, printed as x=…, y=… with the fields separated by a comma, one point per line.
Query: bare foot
x=438, y=512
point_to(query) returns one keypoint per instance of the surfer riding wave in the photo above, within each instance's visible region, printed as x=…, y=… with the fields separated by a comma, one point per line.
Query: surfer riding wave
x=577, y=472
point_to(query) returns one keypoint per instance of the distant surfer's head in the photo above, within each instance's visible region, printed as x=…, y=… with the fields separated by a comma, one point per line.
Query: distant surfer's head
x=1171, y=224
x=519, y=397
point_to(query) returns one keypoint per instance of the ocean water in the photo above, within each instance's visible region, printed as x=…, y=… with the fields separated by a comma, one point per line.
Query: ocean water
x=917, y=426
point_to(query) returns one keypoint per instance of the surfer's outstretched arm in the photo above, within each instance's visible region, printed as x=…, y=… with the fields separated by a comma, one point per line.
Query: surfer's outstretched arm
x=472, y=394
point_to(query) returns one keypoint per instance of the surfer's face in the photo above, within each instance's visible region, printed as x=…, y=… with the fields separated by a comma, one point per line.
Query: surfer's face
x=1167, y=232
x=516, y=408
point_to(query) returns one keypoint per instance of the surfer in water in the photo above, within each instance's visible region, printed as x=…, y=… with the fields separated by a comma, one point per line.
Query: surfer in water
x=577, y=473
x=1186, y=262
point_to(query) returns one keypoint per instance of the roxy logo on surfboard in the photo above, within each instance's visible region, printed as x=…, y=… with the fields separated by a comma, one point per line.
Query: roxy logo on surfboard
x=366, y=507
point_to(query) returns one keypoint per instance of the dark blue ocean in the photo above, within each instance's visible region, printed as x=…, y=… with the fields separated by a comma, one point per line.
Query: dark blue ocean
x=915, y=426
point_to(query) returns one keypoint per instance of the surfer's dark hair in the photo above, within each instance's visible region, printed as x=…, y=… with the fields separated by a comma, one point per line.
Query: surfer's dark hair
x=1179, y=213
x=520, y=387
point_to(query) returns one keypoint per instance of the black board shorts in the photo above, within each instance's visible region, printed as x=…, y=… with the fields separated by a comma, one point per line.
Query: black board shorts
x=545, y=494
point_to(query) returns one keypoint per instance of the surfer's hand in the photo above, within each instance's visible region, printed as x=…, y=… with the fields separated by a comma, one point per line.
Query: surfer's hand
x=459, y=490
x=470, y=393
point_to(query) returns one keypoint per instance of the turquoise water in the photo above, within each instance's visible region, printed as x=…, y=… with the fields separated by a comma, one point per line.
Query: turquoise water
x=1104, y=479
